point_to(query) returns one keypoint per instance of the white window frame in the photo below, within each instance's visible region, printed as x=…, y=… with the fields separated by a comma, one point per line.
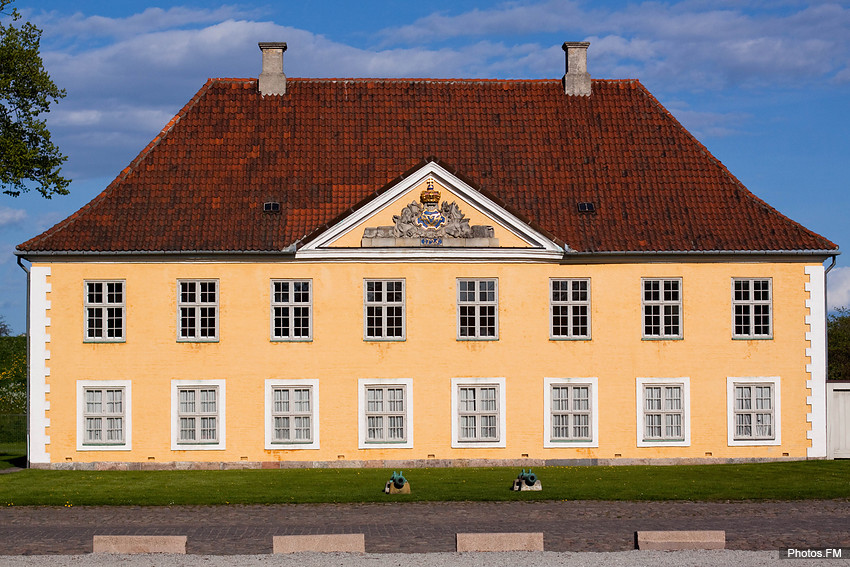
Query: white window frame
x=384, y=304
x=103, y=307
x=197, y=305
x=292, y=305
x=501, y=420
x=477, y=304
x=548, y=440
x=685, y=384
x=271, y=385
x=362, y=415
x=751, y=304
x=127, y=416
x=731, y=383
x=662, y=305
x=571, y=305
x=221, y=409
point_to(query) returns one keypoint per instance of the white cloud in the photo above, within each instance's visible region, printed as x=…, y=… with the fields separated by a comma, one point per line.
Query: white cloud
x=838, y=288
x=687, y=45
x=9, y=216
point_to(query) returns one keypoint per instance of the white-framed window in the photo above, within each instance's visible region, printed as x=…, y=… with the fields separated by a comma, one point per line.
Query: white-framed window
x=291, y=310
x=383, y=310
x=752, y=300
x=661, y=300
x=570, y=416
x=663, y=412
x=753, y=411
x=103, y=415
x=104, y=311
x=569, y=308
x=385, y=413
x=197, y=310
x=292, y=414
x=478, y=412
x=198, y=415
x=477, y=309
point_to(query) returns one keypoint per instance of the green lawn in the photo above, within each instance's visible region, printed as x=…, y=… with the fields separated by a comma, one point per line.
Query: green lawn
x=772, y=481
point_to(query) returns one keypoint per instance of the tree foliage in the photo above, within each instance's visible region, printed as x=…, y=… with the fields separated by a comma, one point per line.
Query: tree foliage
x=27, y=156
x=13, y=375
x=838, y=332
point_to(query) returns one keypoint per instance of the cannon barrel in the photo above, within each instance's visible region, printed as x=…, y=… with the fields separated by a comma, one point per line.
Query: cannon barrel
x=398, y=479
x=528, y=478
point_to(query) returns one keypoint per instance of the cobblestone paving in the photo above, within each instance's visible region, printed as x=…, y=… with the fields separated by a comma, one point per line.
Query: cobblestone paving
x=428, y=527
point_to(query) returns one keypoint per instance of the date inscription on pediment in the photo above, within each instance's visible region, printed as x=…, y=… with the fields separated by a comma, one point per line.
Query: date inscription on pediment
x=430, y=223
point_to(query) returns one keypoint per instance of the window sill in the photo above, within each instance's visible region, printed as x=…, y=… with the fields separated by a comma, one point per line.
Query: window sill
x=587, y=339
x=662, y=338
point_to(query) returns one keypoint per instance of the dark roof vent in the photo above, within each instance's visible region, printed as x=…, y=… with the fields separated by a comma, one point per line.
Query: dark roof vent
x=586, y=207
x=271, y=207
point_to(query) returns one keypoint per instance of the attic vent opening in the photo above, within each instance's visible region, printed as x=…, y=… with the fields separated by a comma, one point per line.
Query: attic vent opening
x=586, y=207
x=271, y=207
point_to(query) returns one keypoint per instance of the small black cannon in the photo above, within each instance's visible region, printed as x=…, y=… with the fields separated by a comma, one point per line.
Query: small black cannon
x=397, y=484
x=527, y=480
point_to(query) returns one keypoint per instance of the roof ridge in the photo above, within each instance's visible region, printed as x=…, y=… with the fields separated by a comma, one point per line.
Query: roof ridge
x=407, y=80
x=124, y=172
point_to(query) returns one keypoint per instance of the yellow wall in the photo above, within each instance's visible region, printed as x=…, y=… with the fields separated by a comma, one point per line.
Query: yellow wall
x=431, y=355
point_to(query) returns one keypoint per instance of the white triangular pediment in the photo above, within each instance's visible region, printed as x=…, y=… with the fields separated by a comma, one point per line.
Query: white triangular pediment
x=377, y=228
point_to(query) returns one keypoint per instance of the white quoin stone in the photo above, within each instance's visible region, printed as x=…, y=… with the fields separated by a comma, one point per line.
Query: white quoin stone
x=576, y=78
x=272, y=80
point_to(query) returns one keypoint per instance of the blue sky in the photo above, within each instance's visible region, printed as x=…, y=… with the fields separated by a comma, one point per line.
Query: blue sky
x=764, y=84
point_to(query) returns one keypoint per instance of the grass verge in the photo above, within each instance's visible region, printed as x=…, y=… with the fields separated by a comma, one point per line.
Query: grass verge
x=764, y=481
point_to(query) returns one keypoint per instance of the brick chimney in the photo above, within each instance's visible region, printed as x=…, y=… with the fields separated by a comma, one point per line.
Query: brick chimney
x=576, y=79
x=272, y=80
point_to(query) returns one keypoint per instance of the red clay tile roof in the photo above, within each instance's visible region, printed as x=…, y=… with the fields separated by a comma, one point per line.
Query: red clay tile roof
x=328, y=145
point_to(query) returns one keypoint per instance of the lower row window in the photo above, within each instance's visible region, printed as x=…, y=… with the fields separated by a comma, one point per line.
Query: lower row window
x=386, y=413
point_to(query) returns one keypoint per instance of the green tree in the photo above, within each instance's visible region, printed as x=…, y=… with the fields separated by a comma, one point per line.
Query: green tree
x=13, y=375
x=27, y=156
x=5, y=329
x=838, y=332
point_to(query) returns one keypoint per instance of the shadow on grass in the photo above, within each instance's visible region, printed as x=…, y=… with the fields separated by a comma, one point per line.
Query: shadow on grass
x=13, y=455
x=10, y=461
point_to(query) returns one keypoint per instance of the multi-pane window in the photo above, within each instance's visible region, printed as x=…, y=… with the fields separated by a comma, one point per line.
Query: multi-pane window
x=477, y=309
x=292, y=413
x=197, y=415
x=385, y=414
x=662, y=308
x=291, y=310
x=383, y=303
x=570, y=308
x=104, y=305
x=197, y=309
x=571, y=412
x=663, y=412
x=754, y=411
x=751, y=308
x=478, y=413
x=103, y=416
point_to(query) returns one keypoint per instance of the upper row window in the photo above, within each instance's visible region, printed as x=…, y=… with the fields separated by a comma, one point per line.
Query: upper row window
x=104, y=306
x=384, y=309
x=197, y=310
x=662, y=308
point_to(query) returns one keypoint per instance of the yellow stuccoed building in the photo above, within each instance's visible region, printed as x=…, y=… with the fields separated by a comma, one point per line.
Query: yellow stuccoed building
x=400, y=272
